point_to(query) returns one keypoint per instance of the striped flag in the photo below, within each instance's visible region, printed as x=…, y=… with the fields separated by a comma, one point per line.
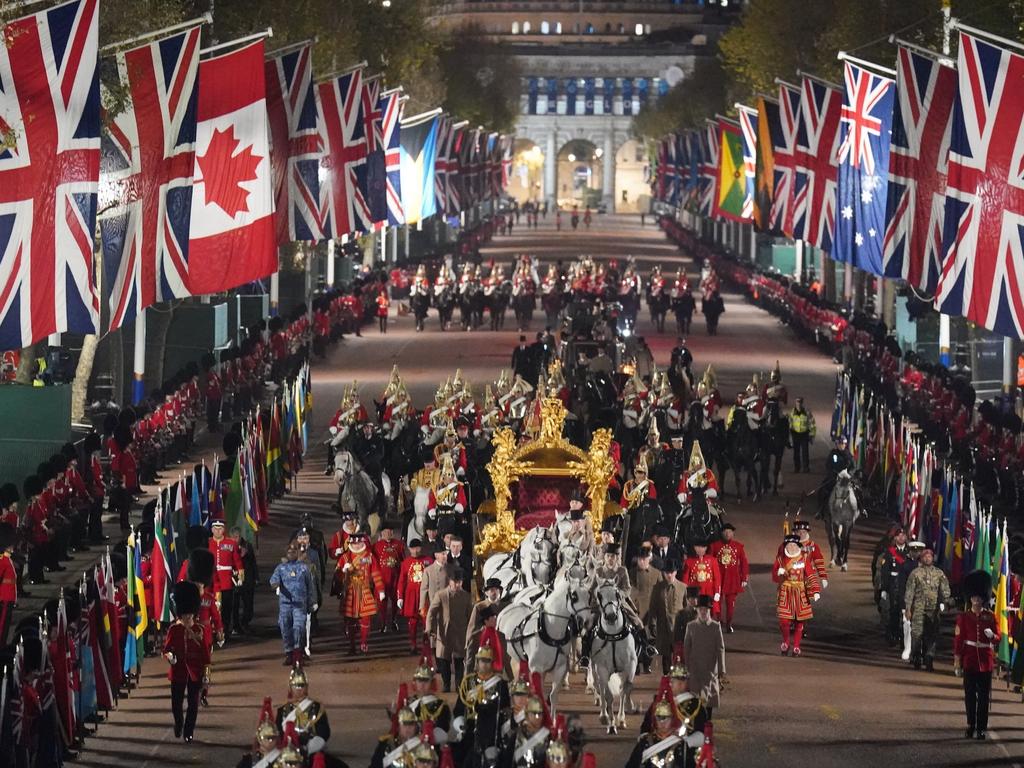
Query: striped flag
x=138, y=619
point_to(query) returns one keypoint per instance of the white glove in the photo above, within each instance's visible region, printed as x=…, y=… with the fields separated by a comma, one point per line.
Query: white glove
x=884, y=595
x=781, y=572
x=315, y=607
x=824, y=583
x=346, y=567
x=718, y=596
x=743, y=584
x=817, y=596
x=989, y=633
x=399, y=603
x=711, y=493
x=380, y=596
x=942, y=607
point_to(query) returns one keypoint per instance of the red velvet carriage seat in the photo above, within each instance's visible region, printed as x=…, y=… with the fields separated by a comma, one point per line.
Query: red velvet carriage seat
x=536, y=498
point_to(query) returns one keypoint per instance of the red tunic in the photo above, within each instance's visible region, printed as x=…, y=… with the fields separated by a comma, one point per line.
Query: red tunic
x=209, y=617
x=389, y=556
x=363, y=584
x=683, y=490
x=382, y=306
x=703, y=573
x=8, y=579
x=459, y=503
x=339, y=543
x=732, y=561
x=975, y=649
x=190, y=653
x=410, y=578
x=226, y=560
x=797, y=586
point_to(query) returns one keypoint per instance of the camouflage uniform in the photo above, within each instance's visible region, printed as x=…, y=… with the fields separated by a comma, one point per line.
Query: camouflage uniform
x=927, y=588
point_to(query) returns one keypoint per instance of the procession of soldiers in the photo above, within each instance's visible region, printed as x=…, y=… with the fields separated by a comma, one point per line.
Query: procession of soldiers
x=645, y=585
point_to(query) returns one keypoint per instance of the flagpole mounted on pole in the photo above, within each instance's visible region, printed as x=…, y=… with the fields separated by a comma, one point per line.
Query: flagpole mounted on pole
x=879, y=69
x=139, y=368
x=206, y=18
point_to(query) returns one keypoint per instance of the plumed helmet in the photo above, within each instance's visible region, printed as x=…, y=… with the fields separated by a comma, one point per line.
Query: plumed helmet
x=297, y=677
x=200, y=567
x=521, y=685
x=186, y=598
x=406, y=716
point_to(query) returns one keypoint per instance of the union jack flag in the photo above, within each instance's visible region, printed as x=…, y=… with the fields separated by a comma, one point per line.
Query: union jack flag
x=709, y=167
x=670, y=174
x=781, y=217
x=344, y=209
x=391, y=120
x=376, y=189
x=148, y=159
x=816, y=164
x=983, y=266
x=442, y=162
x=507, y=143
x=748, y=129
x=917, y=169
x=492, y=184
x=866, y=120
x=682, y=166
x=695, y=157
x=294, y=145
x=49, y=171
x=455, y=192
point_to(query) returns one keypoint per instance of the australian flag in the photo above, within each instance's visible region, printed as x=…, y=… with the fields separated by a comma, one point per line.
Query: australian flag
x=864, y=134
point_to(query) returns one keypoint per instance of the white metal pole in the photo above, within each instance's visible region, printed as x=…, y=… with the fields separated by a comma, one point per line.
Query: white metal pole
x=753, y=244
x=330, y=264
x=139, y=368
x=1008, y=365
x=394, y=245
x=798, y=266
x=944, y=323
x=275, y=292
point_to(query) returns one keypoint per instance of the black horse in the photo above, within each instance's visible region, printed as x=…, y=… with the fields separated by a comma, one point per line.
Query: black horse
x=445, y=303
x=657, y=303
x=683, y=306
x=741, y=454
x=774, y=437
x=696, y=522
x=420, y=303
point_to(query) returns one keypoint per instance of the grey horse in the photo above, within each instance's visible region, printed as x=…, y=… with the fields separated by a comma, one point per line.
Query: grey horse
x=842, y=512
x=356, y=491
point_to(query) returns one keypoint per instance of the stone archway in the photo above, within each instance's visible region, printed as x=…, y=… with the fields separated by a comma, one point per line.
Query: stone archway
x=527, y=180
x=579, y=173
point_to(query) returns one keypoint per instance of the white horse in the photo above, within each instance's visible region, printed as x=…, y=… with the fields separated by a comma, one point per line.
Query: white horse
x=530, y=564
x=613, y=657
x=420, y=503
x=356, y=490
x=543, y=633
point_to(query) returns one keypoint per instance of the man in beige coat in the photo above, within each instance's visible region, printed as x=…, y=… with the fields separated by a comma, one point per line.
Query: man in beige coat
x=492, y=599
x=435, y=578
x=704, y=649
x=644, y=580
x=666, y=601
x=447, y=621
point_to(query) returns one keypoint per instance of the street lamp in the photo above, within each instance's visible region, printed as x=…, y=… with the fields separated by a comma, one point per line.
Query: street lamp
x=572, y=158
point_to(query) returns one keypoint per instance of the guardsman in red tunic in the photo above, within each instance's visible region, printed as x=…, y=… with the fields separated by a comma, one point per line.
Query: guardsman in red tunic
x=802, y=528
x=697, y=475
x=339, y=541
x=227, y=562
x=732, y=561
x=363, y=589
x=410, y=579
x=8, y=578
x=974, y=651
x=186, y=652
x=798, y=588
x=214, y=393
x=383, y=305
x=389, y=552
x=702, y=571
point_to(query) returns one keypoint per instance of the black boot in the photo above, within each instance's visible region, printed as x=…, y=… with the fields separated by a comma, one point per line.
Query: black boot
x=585, y=646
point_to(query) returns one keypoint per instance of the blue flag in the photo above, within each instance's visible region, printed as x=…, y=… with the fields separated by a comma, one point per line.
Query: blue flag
x=419, y=152
x=570, y=96
x=864, y=135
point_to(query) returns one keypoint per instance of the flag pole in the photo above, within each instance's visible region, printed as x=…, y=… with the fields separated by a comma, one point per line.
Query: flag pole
x=293, y=47
x=956, y=24
x=423, y=116
x=819, y=80
x=943, y=59
x=339, y=72
x=268, y=32
x=780, y=81
x=206, y=18
x=844, y=56
x=767, y=97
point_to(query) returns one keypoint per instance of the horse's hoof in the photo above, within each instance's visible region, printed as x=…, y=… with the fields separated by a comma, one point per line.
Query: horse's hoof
x=604, y=721
x=612, y=730
x=843, y=568
x=831, y=563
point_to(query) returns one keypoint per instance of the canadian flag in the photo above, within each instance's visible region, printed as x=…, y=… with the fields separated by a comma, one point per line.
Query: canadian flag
x=232, y=239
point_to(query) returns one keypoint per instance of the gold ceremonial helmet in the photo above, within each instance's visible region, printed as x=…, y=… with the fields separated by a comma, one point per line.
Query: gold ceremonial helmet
x=557, y=754
x=696, y=458
x=424, y=754
x=266, y=730
x=424, y=671
x=485, y=652
x=421, y=270
x=519, y=687
x=346, y=396
x=653, y=431
x=449, y=430
x=664, y=708
x=297, y=678
x=534, y=705
x=394, y=382
x=290, y=757
x=457, y=382
x=755, y=384
x=641, y=466
x=776, y=375
x=407, y=717
x=551, y=270
x=678, y=669
x=710, y=380
x=447, y=470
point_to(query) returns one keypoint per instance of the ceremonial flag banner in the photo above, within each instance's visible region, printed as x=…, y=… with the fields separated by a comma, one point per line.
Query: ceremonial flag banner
x=147, y=164
x=783, y=203
x=918, y=155
x=748, y=129
x=419, y=147
x=693, y=181
x=391, y=117
x=816, y=163
x=49, y=171
x=709, y=167
x=295, y=145
x=864, y=136
x=442, y=162
x=162, y=564
x=769, y=135
x=376, y=168
x=455, y=171
x=983, y=264
x=343, y=210
x=730, y=192
x=233, y=240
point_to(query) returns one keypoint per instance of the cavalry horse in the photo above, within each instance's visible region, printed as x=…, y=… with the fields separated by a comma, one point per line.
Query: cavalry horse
x=741, y=454
x=613, y=658
x=697, y=521
x=842, y=512
x=356, y=490
x=774, y=439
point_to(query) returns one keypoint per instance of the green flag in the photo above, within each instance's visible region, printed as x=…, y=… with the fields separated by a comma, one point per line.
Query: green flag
x=732, y=184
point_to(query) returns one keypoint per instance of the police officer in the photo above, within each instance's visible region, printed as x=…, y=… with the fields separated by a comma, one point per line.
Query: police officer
x=839, y=458
x=296, y=600
x=926, y=595
x=801, y=431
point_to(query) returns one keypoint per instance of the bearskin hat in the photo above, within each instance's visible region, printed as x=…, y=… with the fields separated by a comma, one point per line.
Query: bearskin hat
x=186, y=598
x=200, y=566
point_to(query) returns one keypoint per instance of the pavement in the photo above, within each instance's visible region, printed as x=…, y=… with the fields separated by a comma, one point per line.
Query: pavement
x=848, y=701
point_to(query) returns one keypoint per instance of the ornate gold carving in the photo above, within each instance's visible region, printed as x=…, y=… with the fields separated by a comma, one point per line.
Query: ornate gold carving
x=548, y=454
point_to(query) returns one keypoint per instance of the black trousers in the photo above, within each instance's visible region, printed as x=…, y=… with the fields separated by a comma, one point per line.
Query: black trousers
x=213, y=414
x=977, y=695
x=185, y=720
x=801, y=452
x=227, y=610
x=243, y=606
x=444, y=666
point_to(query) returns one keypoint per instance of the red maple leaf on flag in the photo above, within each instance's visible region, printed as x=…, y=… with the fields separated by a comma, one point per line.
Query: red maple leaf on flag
x=224, y=172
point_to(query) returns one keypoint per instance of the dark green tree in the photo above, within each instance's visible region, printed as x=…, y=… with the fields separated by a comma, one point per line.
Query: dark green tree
x=481, y=78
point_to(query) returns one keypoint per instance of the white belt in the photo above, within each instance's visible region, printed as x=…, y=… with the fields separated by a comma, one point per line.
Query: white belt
x=223, y=567
x=976, y=644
